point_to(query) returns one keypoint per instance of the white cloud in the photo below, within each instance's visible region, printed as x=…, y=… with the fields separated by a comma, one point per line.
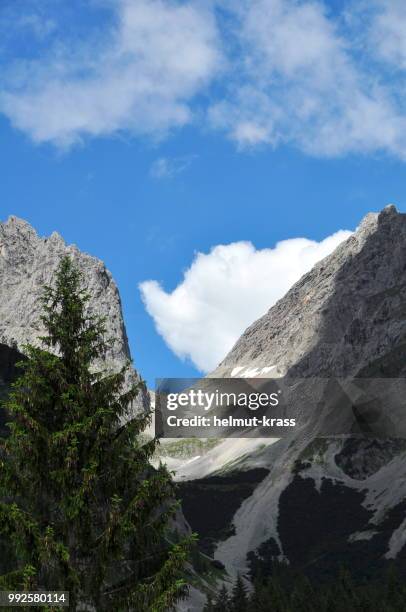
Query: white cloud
x=224, y=291
x=296, y=72
x=168, y=167
x=300, y=83
x=141, y=77
x=387, y=31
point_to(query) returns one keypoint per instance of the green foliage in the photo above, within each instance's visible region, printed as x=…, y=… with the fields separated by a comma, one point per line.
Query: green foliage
x=239, y=599
x=209, y=605
x=187, y=447
x=81, y=508
x=287, y=590
x=221, y=603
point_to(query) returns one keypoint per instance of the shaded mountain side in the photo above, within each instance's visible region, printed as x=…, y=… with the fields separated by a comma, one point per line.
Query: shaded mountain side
x=9, y=371
x=327, y=500
x=9, y=357
x=209, y=504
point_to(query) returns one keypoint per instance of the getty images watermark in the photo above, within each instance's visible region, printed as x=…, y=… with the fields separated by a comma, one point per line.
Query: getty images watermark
x=220, y=408
x=216, y=406
x=258, y=407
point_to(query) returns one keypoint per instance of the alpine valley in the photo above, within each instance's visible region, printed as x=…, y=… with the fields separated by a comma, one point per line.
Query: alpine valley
x=313, y=500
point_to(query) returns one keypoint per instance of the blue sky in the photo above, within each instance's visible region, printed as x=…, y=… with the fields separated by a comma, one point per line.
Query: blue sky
x=145, y=153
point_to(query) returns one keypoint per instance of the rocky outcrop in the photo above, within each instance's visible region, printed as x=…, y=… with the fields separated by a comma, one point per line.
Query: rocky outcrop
x=27, y=262
x=326, y=500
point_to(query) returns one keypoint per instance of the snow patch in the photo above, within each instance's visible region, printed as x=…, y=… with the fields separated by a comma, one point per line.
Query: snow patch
x=397, y=541
x=250, y=371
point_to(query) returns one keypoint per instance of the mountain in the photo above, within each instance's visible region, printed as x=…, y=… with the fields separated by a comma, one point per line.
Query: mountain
x=313, y=500
x=27, y=262
x=344, y=313
x=316, y=501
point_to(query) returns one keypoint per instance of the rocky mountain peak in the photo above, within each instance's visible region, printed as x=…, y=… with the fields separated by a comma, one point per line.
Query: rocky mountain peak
x=347, y=308
x=27, y=262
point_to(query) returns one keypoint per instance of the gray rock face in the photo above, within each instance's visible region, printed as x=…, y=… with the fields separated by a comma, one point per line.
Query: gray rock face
x=27, y=262
x=327, y=500
x=348, y=310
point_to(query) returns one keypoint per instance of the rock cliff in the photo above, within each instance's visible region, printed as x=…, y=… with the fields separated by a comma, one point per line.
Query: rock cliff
x=27, y=262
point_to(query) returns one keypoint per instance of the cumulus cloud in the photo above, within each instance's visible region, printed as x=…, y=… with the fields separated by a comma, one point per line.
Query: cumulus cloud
x=224, y=291
x=140, y=76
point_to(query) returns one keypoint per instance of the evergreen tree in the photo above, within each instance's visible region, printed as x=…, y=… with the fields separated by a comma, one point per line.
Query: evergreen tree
x=291, y=591
x=275, y=592
x=81, y=507
x=258, y=602
x=239, y=599
x=223, y=601
x=302, y=594
x=209, y=606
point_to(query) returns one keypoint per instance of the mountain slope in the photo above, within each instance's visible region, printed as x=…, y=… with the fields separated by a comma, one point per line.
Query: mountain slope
x=348, y=310
x=325, y=500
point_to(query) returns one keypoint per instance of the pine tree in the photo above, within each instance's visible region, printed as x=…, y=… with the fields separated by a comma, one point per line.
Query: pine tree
x=81, y=506
x=239, y=599
x=209, y=606
x=301, y=595
x=222, y=603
